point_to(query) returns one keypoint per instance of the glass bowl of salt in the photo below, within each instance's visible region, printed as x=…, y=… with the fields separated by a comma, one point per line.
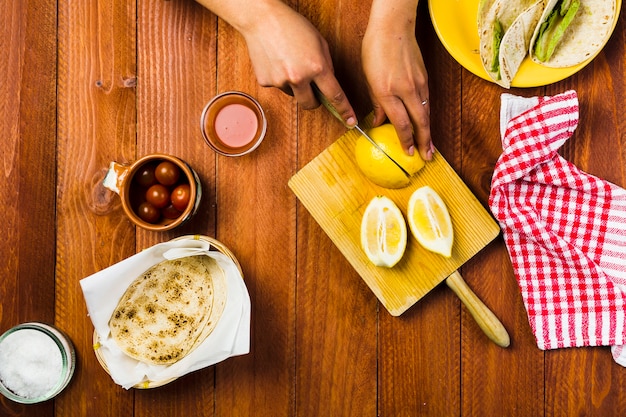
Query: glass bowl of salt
x=37, y=362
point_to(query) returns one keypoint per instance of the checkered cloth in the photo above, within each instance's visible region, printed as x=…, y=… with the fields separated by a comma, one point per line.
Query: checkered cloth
x=565, y=230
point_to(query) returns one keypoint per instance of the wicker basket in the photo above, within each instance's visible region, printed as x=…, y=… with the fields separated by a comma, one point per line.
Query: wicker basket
x=154, y=384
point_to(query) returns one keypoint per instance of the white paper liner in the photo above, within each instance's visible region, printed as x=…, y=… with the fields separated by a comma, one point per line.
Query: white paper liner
x=104, y=289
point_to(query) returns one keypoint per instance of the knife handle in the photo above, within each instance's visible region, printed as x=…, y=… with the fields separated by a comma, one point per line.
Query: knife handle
x=487, y=321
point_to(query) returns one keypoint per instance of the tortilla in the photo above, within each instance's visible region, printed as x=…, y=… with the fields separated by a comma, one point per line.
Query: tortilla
x=170, y=309
x=584, y=37
x=505, y=29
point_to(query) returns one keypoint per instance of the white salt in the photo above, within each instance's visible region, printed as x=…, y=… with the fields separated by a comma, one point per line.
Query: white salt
x=30, y=363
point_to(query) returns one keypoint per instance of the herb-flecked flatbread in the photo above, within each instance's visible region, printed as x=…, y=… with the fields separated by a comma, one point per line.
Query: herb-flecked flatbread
x=170, y=309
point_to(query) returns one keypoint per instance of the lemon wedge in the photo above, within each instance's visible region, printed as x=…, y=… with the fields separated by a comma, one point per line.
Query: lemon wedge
x=377, y=167
x=430, y=222
x=383, y=232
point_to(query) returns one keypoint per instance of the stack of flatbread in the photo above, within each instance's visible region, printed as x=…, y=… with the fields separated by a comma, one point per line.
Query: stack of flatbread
x=170, y=309
x=553, y=33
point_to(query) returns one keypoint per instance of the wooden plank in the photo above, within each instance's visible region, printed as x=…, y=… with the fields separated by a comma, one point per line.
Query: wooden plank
x=96, y=124
x=27, y=102
x=336, y=360
x=492, y=376
x=27, y=127
x=256, y=220
x=176, y=60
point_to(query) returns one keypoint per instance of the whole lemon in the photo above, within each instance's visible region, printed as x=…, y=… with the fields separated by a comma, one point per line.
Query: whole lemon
x=377, y=167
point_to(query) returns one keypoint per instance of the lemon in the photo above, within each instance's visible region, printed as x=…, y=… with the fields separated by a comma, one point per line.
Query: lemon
x=429, y=221
x=377, y=167
x=383, y=232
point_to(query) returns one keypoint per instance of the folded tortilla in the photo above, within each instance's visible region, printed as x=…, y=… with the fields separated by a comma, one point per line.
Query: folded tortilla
x=505, y=28
x=170, y=309
x=581, y=39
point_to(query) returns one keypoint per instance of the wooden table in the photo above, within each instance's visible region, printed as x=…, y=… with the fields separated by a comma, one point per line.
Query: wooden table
x=86, y=83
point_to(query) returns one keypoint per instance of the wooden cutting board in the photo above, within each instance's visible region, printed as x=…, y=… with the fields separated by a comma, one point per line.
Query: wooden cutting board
x=335, y=192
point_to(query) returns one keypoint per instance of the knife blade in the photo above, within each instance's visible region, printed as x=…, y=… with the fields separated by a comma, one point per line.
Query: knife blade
x=322, y=98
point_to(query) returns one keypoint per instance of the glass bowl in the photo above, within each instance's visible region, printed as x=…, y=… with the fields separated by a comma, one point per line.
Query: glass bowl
x=233, y=123
x=37, y=362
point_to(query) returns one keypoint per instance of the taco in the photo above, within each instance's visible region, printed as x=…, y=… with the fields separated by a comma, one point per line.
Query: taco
x=505, y=29
x=571, y=31
x=170, y=309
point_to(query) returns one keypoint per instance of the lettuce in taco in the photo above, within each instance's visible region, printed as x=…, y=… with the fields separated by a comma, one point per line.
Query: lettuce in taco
x=505, y=28
x=572, y=31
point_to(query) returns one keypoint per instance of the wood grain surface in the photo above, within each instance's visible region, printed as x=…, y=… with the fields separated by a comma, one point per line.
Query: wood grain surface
x=86, y=83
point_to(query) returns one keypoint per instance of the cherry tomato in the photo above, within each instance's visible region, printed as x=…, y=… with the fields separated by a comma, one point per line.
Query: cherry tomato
x=180, y=196
x=145, y=176
x=171, y=212
x=158, y=195
x=167, y=173
x=147, y=212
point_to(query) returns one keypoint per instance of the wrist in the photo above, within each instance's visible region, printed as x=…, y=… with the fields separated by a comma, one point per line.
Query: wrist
x=392, y=17
x=244, y=15
x=259, y=13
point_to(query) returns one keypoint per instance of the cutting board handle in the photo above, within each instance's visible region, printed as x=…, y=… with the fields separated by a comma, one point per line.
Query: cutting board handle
x=485, y=318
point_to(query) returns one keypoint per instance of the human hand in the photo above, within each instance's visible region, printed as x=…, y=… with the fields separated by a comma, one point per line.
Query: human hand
x=398, y=81
x=288, y=52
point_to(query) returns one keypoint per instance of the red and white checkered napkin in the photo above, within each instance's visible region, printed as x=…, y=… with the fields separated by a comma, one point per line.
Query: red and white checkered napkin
x=565, y=230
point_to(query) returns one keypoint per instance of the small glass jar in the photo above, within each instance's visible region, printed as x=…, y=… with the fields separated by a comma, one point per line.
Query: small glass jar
x=233, y=123
x=37, y=361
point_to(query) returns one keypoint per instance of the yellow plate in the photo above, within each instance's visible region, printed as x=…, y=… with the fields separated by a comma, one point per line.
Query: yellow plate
x=456, y=26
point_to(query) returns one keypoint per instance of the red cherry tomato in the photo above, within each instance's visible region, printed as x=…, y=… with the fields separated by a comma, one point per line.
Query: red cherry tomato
x=158, y=195
x=145, y=176
x=180, y=196
x=171, y=212
x=147, y=212
x=167, y=173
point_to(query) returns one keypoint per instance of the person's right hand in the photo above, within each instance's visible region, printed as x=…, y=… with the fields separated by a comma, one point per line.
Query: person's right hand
x=289, y=53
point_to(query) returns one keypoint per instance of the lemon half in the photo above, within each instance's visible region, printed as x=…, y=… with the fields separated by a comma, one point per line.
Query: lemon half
x=383, y=232
x=377, y=167
x=430, y=222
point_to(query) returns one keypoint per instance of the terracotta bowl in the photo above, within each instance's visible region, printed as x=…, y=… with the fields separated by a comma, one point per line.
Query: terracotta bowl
x=123, y=179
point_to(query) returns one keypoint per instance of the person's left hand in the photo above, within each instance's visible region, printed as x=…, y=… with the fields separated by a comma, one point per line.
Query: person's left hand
x=398, y=85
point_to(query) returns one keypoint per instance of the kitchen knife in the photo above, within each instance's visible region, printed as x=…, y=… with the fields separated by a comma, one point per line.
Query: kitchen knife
x=322, y=98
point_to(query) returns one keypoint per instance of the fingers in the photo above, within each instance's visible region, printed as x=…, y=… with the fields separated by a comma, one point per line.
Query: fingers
x=419, y=113
x=329, y=87
x=379, y=114
x=404, y=128
x=304, y=96
x=424, y=140
x=322, y=75
x=411, y=120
